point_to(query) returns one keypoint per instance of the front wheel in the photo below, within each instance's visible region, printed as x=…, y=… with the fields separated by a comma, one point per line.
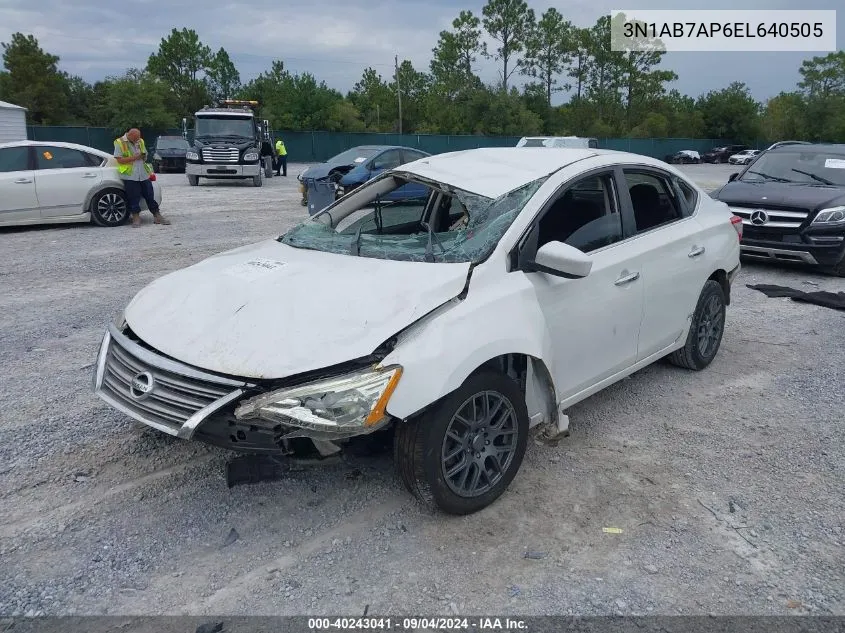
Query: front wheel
x=706, y=330
x=193, y=180
x=463, y=453
x=258, y=180
x=109, y=208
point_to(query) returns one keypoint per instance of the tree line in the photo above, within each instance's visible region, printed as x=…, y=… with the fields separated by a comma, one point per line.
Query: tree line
x=607, y=93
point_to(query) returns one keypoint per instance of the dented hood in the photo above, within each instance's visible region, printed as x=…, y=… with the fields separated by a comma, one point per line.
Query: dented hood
x=269, y=310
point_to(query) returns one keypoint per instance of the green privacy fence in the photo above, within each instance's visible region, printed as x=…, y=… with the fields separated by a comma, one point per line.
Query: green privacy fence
x=319, y=146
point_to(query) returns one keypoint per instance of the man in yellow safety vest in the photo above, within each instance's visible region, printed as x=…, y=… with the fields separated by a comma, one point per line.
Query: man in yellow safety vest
x=131, y=154
x=281, y=158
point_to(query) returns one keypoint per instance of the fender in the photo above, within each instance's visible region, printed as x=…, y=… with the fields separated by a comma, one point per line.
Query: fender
x=441, y=350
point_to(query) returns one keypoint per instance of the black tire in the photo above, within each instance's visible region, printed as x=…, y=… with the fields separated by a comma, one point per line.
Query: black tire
x=420, y=443
x=268, y=168
x=110, y=208
x=193, y=180
x=696, y=354
x=258, y=180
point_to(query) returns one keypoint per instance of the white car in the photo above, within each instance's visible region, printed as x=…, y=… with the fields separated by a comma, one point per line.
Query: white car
x=744, y=157
x=527, y=280
x=56, y=183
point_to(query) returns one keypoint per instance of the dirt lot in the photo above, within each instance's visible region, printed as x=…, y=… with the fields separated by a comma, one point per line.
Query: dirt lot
x=727, y=484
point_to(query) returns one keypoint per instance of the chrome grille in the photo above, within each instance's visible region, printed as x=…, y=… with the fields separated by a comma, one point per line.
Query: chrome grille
x=174, y=397
x=775, y=218
x=220, y=155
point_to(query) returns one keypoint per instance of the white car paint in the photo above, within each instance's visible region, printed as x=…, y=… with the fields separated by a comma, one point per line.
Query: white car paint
x=637, y=323
x=64, y=195
x=270, y=342
x=743, y=157
x=233, y=312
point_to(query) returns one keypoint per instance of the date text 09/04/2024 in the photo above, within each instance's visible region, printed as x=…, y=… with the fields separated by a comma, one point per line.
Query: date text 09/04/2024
x=415, y=624
x=724, y=29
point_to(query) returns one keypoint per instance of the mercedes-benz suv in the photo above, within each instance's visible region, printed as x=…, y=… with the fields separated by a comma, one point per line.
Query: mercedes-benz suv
x=792, y=204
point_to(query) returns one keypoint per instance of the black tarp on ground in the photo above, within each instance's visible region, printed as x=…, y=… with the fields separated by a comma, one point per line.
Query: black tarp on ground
x=834, y=300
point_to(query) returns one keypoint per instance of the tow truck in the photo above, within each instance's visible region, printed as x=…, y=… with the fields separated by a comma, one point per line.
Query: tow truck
x=229, y=143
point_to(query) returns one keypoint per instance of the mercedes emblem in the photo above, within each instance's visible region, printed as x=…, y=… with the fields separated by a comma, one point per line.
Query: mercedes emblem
x=759, y=217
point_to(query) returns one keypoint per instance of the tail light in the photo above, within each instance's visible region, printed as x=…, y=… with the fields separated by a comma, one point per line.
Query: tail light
x=736, y=221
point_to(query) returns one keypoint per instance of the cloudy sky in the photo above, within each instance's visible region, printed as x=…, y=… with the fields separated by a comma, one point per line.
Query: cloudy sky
x=336, y=39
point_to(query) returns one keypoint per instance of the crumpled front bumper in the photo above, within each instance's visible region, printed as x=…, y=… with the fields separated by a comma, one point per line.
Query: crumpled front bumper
x=162, y=393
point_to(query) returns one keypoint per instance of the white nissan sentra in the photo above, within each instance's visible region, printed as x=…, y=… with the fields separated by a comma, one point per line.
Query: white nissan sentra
x=457, y=301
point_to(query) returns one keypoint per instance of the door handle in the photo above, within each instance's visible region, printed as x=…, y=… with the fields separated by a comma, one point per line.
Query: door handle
x=90, y=176
x=627, y=279
x=695, y=252
x=23, y=181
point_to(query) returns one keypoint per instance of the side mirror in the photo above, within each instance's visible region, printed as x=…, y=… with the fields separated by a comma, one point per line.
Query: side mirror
x=561, y=260
x=733, y=177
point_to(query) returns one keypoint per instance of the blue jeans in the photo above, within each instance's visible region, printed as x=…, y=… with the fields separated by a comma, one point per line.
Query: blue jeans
x=137, y=189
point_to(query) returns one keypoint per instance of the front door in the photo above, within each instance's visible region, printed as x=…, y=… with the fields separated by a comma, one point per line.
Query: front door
x=594, y=322
x=18, y=201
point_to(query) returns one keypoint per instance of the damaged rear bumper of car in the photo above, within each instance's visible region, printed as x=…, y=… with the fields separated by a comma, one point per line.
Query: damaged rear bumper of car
x=239, y=415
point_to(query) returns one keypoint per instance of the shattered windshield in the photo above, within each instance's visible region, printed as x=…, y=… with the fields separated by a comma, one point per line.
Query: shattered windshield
x=405, y=219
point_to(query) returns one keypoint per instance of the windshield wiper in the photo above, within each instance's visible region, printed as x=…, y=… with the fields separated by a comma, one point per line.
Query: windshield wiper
x=429, y=249
x=813, y=176
x=769, y=177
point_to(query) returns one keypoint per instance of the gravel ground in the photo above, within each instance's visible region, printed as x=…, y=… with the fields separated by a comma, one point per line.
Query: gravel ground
x=726, y=484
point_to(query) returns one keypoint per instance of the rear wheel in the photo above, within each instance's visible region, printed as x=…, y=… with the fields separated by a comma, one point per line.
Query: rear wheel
x=462, y=454
x=706, y=330
x=109, y=208
x=193, y=180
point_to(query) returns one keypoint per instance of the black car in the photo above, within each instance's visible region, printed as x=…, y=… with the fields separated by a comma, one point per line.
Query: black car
x=723, y=153
x=792, y=204
x=169, y=154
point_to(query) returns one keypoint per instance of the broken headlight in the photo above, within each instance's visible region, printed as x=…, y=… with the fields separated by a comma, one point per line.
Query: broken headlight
x=347, y=405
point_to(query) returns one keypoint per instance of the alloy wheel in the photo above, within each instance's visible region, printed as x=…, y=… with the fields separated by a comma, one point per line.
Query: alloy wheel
x=710, y=326
x=111, y=207
x=480, y=444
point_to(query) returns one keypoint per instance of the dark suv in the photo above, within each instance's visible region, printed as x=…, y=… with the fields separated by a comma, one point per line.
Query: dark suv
x=169, y=154
x=792, y=204
x=722, y=154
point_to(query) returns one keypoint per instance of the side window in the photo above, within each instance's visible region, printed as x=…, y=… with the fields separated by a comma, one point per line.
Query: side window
x=411, y=156
x=48, y=157
x=653, y=199
x=585, y=215
x=388, y=160
x=690, y=195
x=92, y=159
x=14, y=159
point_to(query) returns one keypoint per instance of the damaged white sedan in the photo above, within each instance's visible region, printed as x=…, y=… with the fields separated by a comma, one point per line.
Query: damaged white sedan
x=508, y=285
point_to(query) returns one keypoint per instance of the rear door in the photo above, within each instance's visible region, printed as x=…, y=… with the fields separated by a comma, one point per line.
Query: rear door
x=63, y=179
x=18, y=201
x=675, y=258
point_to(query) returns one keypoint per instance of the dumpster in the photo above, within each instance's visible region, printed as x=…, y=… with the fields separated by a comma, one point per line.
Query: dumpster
x=319, y=194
